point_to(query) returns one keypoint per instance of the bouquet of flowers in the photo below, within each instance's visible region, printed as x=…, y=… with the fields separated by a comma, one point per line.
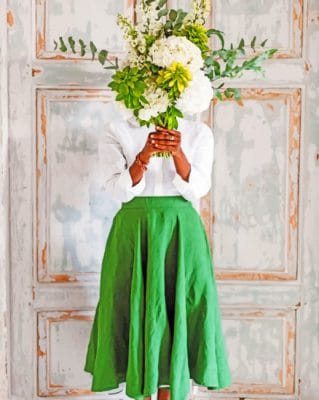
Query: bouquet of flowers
x=170, y=65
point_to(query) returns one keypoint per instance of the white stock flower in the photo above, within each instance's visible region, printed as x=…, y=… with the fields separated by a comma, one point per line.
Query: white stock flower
x=158, y=103
x=197, y=96
x=165, y=51
x=147, y=17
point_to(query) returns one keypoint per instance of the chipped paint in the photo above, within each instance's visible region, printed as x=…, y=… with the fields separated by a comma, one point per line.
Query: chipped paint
x=104, y=20
x=269, y=99
x=36, y=71
x=10, y=19
x=285, y=34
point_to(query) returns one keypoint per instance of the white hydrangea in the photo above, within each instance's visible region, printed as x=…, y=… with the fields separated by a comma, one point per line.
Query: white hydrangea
x=197, y=96
x=158, y=103
x=165, y=51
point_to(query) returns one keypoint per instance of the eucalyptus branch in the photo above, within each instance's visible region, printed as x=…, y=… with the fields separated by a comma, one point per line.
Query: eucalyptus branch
x=222, y=63
x=102, y=55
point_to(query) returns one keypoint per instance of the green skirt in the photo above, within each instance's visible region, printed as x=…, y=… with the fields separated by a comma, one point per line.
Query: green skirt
x=158, y=320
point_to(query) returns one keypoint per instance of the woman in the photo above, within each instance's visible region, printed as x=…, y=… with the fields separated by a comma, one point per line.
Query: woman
x=157, y=324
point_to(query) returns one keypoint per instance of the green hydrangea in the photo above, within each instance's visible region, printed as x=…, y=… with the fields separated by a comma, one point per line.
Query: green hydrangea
x=197, y=34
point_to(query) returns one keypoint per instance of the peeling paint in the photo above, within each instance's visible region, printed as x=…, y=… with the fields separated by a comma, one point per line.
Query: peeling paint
x=10, y=19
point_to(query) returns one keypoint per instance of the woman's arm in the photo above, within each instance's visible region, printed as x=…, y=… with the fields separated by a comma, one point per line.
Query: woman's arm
x=123, y=182
x=119, y=182
x=193, y=180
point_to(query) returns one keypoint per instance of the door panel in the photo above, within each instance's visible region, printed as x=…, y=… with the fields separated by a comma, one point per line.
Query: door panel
x=261, y=215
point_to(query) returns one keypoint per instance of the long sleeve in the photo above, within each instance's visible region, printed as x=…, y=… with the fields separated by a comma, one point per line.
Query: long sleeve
x=118, y=181
x=200, y=178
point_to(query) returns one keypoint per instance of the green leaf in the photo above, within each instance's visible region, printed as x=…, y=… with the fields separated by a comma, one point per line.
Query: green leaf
x=140, y=86
x=93, y=49
x=241, y=43
x=252, y=43
x=237, y=94
x=219, y=34
x=272, y=51
x=62, y=45
x=102, y=56
x=216, y=67
x=168, y=25
x=83, y=46
x=71, y=43
x=181, y=15
x=172, y=15
x=163, y=12
x=209, y=60
x=221, y=85
x=161, y=3
x=123, y=88
x=55, y=44
x=228, y=93
x=262, y=44
x=144, y=100
x=120, y=96
x=218, y=95
x=154, y=68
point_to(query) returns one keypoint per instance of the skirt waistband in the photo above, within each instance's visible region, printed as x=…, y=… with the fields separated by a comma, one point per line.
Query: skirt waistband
x=157, y=201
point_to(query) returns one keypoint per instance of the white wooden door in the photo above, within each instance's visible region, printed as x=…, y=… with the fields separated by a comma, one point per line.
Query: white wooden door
x=261, y=215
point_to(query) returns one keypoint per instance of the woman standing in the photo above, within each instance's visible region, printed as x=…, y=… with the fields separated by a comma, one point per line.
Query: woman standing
x=157, y=324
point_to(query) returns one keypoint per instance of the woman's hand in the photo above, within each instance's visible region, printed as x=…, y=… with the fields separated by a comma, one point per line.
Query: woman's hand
x=170, y=140
x=166, y=140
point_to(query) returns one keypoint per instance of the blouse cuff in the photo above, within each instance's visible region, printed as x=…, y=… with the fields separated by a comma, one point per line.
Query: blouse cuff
x=126, y=183
x=194, y=188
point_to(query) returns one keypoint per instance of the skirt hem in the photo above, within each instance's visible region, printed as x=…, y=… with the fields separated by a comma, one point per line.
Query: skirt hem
x=165, y=385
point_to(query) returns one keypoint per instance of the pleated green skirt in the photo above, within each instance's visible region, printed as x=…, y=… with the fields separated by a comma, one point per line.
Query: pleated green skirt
x=157, y=320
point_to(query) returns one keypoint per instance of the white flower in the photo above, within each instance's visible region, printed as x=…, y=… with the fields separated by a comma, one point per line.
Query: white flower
x=158, y=103
x=147, y=17
x=176, y=48
x=197, y=96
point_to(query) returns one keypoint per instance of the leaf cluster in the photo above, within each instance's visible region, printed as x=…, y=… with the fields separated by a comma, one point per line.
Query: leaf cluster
x=223, y=63
x=174, y=20
x=81, y=48
x=130, y=85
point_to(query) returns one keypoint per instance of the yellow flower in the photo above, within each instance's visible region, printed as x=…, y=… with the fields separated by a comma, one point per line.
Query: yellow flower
x=175, y=78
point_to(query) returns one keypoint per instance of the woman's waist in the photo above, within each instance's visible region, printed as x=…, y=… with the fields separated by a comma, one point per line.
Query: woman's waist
x=157, y=201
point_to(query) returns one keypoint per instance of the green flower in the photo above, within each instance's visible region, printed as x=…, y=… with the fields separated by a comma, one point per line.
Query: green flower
x=130, y=85
x=197, y=34
x=175, y=79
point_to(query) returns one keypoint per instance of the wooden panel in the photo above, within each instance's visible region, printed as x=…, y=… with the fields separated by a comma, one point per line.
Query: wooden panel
x=61, y=341
x=261, y=351
x=279, y=21
x=62, y=17
x=71, y=205
x=254, y=217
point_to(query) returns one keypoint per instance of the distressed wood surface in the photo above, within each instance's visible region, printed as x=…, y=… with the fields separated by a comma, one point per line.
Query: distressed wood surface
x=5, y=18
x=261, y=216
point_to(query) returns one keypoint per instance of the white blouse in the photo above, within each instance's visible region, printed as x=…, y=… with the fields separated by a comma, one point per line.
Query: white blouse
x=122, y=141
